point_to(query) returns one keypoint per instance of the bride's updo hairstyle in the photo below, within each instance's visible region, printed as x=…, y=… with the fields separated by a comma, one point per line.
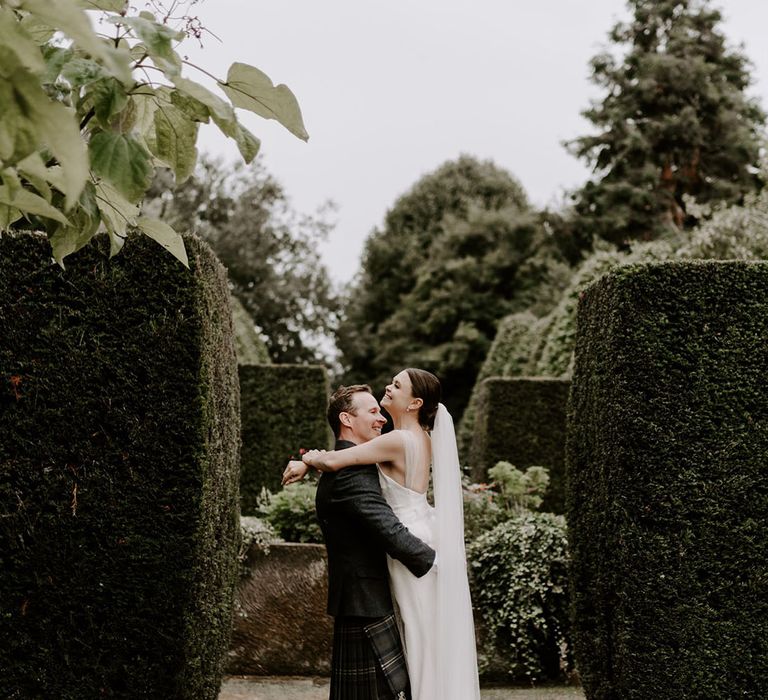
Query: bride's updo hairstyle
x=425, y=386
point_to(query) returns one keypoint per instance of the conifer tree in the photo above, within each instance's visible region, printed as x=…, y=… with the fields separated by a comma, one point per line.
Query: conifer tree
x=675, y=121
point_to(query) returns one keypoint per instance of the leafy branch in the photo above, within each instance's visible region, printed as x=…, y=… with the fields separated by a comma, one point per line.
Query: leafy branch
x=81, y=137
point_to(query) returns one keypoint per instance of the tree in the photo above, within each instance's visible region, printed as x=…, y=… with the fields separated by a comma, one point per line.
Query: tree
x=454, y=257
x=86, y=121
x=269, y=250
x=675, y=121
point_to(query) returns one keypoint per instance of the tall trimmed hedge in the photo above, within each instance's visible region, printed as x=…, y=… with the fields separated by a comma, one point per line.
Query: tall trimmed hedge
x=282, y=411
x=118, y=471
x=668, y=484
x=507, y=357
x=522, y=421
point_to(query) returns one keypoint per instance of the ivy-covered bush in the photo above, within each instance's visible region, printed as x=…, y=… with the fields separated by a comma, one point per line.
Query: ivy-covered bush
x=519, y=590
x=291, y=512
x=282, y=411
x=118, y=471
x=668, y=488
x=522, y=420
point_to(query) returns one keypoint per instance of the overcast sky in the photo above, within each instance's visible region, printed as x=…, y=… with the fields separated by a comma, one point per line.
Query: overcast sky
x=391, y=89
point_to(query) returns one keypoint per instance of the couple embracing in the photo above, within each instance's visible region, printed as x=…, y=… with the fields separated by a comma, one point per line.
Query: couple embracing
x=385, y=541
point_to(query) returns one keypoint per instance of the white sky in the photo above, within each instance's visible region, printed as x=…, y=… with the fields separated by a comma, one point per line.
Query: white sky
x=391, y=89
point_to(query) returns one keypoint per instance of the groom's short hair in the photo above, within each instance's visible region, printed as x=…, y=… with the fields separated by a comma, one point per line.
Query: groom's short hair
x=341, y=401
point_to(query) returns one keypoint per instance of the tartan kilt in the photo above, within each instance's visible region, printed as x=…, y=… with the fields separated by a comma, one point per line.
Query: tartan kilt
x=368, y=661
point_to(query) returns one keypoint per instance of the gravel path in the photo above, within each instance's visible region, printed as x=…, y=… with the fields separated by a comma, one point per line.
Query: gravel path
x=270, y=688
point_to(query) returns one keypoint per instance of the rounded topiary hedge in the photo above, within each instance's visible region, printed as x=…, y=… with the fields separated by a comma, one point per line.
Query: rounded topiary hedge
x=507, y=357
x=282, y=411
x=118, y=471
x=668, y=485
x=522, y=421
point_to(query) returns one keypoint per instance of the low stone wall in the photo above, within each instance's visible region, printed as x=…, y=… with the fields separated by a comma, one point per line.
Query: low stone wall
x=280, y=625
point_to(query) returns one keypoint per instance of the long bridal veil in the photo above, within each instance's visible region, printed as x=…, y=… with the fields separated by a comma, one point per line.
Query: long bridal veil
x=456, y=653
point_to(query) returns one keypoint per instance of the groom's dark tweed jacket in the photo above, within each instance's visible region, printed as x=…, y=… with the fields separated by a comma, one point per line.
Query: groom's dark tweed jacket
x=360, y=529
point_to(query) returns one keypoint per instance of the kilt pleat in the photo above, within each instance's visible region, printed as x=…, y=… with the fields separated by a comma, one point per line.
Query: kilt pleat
x=357, y=670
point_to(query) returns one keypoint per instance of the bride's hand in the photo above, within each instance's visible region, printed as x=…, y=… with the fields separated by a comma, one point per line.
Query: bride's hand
x=295, y=471
x=314, y=458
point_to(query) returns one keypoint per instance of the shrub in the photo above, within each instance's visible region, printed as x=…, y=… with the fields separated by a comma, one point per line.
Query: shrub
x=519, y=589
x=507, y=357
x=118, y=471
x=251, y=349
x=523, y=421
x=291, y=512
x=668, y=491
x=282, y=410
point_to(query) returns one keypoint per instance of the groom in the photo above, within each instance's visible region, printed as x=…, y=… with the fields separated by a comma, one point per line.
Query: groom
x=360, y=529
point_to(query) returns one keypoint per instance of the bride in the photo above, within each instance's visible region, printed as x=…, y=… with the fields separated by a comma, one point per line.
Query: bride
x=434, y=611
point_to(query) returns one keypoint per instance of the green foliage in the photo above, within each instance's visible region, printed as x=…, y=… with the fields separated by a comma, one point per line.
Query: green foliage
x=269, y=250
x=522, y=420
x=675, y=122
x=250, y=348
x=508, y=357
x=441, y=273
x=254, y=531
x=667, y=482
x=282, y=411
x=85, y=124
x=518, y=578
x=519, y=490
x=118, y=471
x=291, y=512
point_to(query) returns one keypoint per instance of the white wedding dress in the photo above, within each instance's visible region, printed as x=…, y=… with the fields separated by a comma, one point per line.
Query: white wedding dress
x=435, y=615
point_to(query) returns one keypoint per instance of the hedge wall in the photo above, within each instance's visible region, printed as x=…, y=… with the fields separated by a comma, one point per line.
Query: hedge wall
x=522, y=420
x=282, y=410
x=250, y=348
x=118, y=471
x=668, y=484
x=507, y=357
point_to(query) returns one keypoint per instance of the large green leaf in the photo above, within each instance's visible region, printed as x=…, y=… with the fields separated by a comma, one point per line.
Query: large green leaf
x=251, y=89
x=122, y=160
x=30, y=203
x=105, y=5
x=58, y=129
x=83, y=223
x=165, y=236
x=17, y=44
x=157, y=39
x=191, y=106
x=18, y=135
x=8, y=215
x=33, y=169
x=247, y=143
x=221, y=111
x=108, y=98
x=117, y=214
x=175, y=136
x=68, y=17
x=79, y=71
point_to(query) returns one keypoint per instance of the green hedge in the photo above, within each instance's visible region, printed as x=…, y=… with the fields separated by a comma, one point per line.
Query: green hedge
x=282, y=411
x=118, y=471
x=507, y=357
x=250, y=348
x=668, y=487
x=522, y=421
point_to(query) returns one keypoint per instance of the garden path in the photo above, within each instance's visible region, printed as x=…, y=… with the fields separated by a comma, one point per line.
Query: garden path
x=272, y=688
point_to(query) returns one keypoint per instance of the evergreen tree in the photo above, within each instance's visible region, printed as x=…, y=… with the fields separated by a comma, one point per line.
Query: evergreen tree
x=675, y=122
x=458, y=252
x=269, y=250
